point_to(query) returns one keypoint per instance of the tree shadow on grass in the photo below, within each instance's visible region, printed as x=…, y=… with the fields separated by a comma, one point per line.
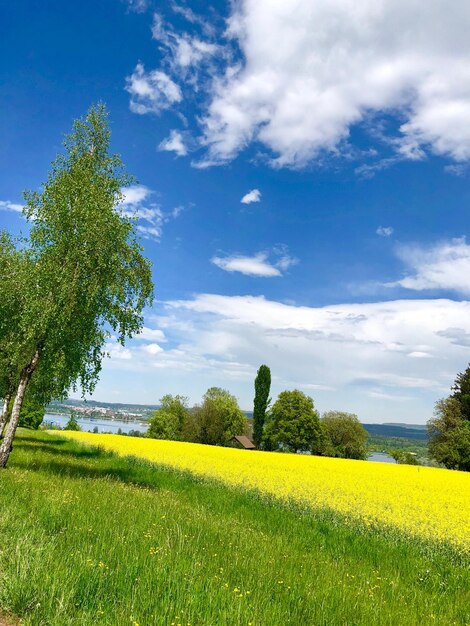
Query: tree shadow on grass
x=70, y=469
x=36, y=446
x=38, y=439
x=60, y=457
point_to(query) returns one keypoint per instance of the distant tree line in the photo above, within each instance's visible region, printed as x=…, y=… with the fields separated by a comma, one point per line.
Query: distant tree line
x=291, y=424
x=215, y=421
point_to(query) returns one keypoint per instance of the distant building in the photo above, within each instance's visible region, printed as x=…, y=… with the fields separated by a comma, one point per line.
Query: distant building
x=244, y=442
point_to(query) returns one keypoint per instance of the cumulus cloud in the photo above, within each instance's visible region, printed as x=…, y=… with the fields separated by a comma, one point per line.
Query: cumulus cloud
x=380, y=360
x=341, y=63
x=151, y=92
x=442, y=266
x=6, y=205
x=252, y=196
x=343, y=353
x=174, y=143
x=153, y=348
x=384, y=231
x=258, y=264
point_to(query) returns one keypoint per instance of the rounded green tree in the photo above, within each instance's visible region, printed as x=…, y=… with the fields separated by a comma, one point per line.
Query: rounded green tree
x=294, y=424
x=345, y=436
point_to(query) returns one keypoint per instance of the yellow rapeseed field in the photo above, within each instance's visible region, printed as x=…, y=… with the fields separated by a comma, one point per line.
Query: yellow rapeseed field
x=427, y=502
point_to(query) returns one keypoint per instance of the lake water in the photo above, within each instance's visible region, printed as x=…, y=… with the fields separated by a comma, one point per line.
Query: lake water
x=381, y=457
x=88, y=424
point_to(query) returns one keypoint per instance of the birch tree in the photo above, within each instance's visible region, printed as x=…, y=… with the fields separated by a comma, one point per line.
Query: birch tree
x=13, y=272
x=90, y=279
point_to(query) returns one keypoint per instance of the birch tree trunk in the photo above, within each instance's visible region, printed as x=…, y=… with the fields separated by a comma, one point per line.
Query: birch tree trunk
x=25, y=377
x=4, y=415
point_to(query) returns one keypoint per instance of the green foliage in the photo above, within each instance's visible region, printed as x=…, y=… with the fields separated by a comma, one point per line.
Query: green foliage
x=17, y=279
x=449, y=435
x=461, y=389
x=449, y=429
x=403, y=457
x=345, y=435
x=293, y=424
x=217, y=420
x=387, y=444
x=90, y=270
x=169, y=420
x=261, y=402
x=72, y=424
x=165, y=548
x=82, y=277
x=32, y=413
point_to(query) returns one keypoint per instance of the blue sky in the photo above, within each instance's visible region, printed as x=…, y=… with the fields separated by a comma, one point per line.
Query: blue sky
x=343, y=126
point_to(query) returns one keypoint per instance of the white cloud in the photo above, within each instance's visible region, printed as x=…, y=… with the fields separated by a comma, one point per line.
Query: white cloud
x=151, y=218
x=191, y=51
x=258, y=264
x=457, y=169
x=252, y=196
x=174, y=143
x=364, y=358
x=442, y=266
x=117, y=352
x=185, y=50
x=6, y=205
x=138, y=6
x=153, y=348
x=357, y=350
x=313, y=69
x=150, y=232
x=193, y=18
x=152, y=334
x=151, y=92
x=284, y=260
x=384, y=231
x=135, y=194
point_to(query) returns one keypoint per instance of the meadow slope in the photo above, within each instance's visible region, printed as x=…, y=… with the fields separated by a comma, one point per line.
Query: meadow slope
x=93, y=539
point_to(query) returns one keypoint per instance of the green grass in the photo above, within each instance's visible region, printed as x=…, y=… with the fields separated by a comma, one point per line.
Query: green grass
x=88, y=538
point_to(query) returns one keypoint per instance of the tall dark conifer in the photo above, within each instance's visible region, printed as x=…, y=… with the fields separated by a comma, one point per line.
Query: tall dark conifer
x=262, y=389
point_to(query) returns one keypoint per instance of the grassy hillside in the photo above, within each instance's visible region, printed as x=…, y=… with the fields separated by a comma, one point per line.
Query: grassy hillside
x=89, y=538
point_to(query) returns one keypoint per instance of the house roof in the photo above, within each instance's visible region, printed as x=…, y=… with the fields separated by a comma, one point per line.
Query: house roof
x=245, y=442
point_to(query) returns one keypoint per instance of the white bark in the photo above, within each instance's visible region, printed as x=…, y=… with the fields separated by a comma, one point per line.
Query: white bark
x=25, y=377
x=4, y=414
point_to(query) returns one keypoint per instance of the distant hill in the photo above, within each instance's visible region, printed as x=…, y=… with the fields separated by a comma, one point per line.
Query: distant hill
x=110, y=405
x=414, y=426
x=409, y=431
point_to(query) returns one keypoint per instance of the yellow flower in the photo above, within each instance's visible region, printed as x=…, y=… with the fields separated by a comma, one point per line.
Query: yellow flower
x=422, y=501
